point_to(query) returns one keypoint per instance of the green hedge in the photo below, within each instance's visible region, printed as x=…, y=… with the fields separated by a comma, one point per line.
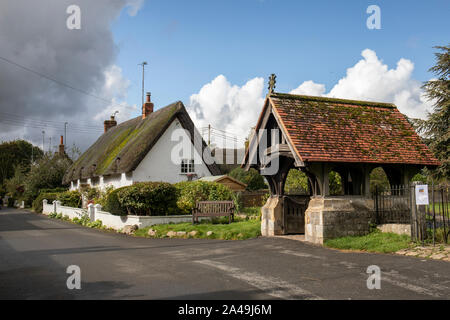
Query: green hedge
x=112, y=204
x=161, y=198
x=67, y=198
x=70, y=199
x=54, y=190
x=149, y=198
x=190, y=192
x=37, y=203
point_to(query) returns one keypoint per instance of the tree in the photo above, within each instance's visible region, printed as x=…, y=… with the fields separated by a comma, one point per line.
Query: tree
x=15, y=185
x=251, y=178
x=16, y=153
x=47, y=173
x=296, y=182
x=436, y=129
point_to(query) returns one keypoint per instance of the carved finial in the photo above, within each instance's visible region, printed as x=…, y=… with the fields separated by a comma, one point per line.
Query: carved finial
x=272, y=82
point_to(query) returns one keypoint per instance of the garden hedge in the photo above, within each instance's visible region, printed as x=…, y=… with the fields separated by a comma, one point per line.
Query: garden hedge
x=112, y=204
x=67, y=198
x=191, y=191
x=149, y=198
x=37, y=203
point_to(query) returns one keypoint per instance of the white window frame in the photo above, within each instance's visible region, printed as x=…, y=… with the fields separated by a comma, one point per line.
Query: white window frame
x=187, y=166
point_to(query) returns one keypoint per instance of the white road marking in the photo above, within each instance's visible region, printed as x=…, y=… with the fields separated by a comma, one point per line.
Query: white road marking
x=408, y=286
x=395, y=278
x=270, y=285
x=300, y=254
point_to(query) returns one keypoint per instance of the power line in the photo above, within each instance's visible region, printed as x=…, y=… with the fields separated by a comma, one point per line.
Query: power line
x=62, y=83
x=17, y=123
x=41, y=122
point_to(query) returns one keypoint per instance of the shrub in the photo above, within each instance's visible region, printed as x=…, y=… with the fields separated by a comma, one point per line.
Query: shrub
x=149, y=198
x=92, y=193
x=70, y=199
x=112, y=204
x=251, y=178
x=54, y=190
x=191, y=191
x=11, y=202
x=37, y=203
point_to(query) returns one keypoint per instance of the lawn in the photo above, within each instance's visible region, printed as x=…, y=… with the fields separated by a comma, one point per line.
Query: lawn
x=238, y=230
x=373, y=242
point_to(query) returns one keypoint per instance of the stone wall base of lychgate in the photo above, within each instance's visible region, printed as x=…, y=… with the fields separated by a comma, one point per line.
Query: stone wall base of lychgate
x=334, y=217
x=272, y=217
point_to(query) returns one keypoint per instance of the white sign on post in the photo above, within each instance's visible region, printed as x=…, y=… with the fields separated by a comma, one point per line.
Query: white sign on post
x=422, y=194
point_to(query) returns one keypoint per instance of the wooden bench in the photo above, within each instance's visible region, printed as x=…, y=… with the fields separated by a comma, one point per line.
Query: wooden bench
x=213, y=209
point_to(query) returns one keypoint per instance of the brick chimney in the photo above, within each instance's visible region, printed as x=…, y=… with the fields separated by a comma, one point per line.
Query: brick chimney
x=147, y=108
x=61, y=147
x=108, y=124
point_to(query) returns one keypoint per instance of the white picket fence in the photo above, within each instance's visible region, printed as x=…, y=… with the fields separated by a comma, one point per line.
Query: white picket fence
x=109, y=220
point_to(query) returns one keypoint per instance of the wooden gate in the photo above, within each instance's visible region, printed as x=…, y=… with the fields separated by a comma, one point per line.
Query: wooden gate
x=294, y=208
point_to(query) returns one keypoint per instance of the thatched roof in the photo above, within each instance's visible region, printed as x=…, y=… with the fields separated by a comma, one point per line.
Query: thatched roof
x=123, y=147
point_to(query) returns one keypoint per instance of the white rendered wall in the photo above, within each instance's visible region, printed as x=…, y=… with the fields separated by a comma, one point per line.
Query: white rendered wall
x=158, y=165
x=116, y=181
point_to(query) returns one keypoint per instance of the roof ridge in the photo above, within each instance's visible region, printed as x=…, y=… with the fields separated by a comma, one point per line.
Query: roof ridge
x=335, y=100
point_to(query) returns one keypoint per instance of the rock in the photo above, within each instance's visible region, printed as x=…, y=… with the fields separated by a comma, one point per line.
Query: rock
x=181, y=233
x=193, y=233
x=209, y=233
x=151, y=233
x=171, y=234
x=129, y=229
x=411, y=254
x=240, y=235
x=438, y=256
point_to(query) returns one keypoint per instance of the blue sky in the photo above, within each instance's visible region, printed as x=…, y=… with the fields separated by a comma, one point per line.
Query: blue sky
x=214, y=55
x=189, y=43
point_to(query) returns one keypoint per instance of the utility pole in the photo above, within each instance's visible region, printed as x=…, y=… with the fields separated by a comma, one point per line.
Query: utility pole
x=143, y=64
x=209, y=135
x=65, y=133
x=43, y=137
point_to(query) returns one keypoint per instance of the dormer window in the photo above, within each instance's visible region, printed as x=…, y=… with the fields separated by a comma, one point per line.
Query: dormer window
x=187, y=166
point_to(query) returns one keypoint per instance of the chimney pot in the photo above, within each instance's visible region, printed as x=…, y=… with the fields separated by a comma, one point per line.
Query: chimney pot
x=61, y=147
x=147, y=108
x=108, y=124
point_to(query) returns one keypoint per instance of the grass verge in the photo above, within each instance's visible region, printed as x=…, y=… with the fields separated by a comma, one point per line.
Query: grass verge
x=376, y=241
x=239, y=230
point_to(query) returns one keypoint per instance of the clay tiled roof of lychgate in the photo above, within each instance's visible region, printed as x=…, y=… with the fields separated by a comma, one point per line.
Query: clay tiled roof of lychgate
x=337, y=130
x=130, y=142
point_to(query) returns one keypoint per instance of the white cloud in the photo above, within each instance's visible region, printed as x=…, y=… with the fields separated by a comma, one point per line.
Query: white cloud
x=236, y=109
x=309, y=88
x=228, y=107
x=370, y=79
x=134, y=6
x=115, y=86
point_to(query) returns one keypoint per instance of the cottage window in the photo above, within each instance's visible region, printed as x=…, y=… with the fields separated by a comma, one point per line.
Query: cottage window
x=187, y=166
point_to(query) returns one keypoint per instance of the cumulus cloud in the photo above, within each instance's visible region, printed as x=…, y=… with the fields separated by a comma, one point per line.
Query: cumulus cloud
x=309, y=88
x=134, y=6
x=370, y=79
x=34, y=34
x=236, y=109
x=228, y=107
x=115, y=86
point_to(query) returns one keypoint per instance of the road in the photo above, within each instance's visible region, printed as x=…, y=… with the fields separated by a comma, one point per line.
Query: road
x=35, y=252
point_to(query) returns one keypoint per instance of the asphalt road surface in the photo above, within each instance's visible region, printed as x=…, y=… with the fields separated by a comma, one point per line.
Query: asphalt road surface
x=35, y=252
